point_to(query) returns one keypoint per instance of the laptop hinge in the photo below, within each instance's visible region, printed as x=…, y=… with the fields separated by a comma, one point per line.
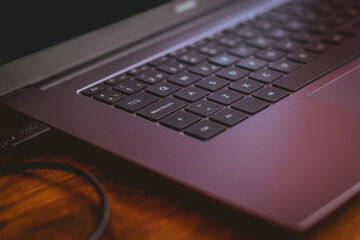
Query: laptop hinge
x=201, y=24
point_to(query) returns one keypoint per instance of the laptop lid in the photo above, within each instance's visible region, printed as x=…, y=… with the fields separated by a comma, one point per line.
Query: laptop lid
x=52, y=39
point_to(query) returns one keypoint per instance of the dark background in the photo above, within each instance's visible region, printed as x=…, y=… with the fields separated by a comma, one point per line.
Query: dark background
x=31, y=28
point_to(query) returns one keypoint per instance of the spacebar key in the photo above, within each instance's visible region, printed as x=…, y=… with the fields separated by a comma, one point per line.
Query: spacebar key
x=158, y=110
x=319, y=67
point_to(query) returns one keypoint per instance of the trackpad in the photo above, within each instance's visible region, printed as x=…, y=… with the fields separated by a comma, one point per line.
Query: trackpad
x=343, y=91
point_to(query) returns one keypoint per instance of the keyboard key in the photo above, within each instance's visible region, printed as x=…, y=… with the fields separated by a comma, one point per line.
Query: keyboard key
x=287, y=46
x=285, y=66
x=231, y=30
x=271, y=94
x=197, y=44
x=335, y=39
x=293, y=26
x=117, y=79
x=269, y=54
x=260, y=42
x=184, y=79
x=172, y=67
x=162, y=89
x=303, y=37
x=178, y=53
x=302, y=56
x=228, y=41
x=94, y=89
x=318, y=47
x=250, y=105
x=129, y=86
x=135, y=102
x=242, y=51
x=334, y=22
x=246, y=86
x=228, y=117
x=224, y=60
x=319, y=29
x=232, y=73
x=138, y=70
x=204, y=130
x=162, y=108
x=309, y=17
x=262, y=25
x=192, y=58
x=205, y=69
x=151, y=76
x=265, y=75
x=203, y=108
x=225, y=96
x=277, y=34
x=211, y=49
x=276, y=17
x=252, y=64
x=179, y=120
x=191, y=94
x=215, y=37
x=108, y=96
x=158, y=61
x=349, y=13
x=212, y=83
x=247, y=33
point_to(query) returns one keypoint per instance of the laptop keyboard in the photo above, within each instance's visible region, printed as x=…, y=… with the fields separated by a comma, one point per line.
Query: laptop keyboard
x=213, y=84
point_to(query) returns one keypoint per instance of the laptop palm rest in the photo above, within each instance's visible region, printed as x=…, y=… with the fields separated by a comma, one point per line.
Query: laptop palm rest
x=343, y=91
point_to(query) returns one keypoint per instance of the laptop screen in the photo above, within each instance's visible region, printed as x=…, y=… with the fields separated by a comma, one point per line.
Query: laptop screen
x=55, y=23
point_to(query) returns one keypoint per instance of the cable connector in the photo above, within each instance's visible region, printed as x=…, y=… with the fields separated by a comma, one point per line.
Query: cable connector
x=34, y=129
x=22, y=135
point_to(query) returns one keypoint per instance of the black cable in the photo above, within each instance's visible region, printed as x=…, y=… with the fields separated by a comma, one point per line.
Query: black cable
x=10, y=168
x=34, y=129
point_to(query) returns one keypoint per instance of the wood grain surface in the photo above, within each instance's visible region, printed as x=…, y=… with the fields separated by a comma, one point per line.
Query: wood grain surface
x=52, y=204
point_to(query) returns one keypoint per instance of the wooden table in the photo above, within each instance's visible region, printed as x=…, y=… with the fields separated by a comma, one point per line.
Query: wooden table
x=50, y=204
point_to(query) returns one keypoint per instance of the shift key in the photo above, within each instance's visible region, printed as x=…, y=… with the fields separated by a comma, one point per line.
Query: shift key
x=158, y=110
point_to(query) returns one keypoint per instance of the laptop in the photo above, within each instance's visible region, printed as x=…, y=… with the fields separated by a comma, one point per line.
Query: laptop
x=253, y=104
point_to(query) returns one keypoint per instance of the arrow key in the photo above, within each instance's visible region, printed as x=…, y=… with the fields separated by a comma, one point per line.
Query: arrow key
x=179, y=120
x=203, y=108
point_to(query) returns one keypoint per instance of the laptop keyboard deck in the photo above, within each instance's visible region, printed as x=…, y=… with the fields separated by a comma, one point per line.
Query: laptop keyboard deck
x=211, y=85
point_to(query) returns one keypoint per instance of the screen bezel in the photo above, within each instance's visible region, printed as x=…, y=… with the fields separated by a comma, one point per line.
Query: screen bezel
x=62, y=57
